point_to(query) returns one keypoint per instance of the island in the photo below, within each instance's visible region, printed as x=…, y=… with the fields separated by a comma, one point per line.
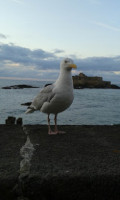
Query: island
x=82, y=81
x=26, y=104
x=18, y=87
x=79, y=82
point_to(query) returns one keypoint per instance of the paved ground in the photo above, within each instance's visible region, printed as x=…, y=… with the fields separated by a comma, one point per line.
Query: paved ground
x=11, y=140
x=82, y=164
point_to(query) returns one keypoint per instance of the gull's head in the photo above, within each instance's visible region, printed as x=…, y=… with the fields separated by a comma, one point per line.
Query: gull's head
x=67, y=64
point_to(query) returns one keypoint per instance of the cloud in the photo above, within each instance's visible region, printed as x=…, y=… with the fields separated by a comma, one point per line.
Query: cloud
x=17, y=61
x=3, y=36
x=117, y=72
x=106, y=26
x=17, y=54
x=56, y=51
x=99, y=63
x=24, y=62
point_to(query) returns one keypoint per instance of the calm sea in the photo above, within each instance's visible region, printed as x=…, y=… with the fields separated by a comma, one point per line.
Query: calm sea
x=90, y=106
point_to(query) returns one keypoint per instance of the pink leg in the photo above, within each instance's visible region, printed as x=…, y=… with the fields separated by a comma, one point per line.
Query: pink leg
x=56, y=129
x=50, y=132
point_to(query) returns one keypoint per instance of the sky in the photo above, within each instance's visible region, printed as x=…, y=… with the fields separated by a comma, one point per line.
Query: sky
x=35, y=35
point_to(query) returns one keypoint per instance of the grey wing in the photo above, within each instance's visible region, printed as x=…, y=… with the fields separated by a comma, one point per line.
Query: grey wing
x=45, y=95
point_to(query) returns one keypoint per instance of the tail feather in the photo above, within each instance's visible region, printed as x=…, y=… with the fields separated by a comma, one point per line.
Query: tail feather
x=30, y=109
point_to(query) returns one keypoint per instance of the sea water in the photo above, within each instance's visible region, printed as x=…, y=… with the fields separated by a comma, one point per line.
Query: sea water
x=90, y=106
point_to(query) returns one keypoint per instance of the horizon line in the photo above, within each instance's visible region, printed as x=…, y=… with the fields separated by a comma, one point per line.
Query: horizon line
x=27, y=79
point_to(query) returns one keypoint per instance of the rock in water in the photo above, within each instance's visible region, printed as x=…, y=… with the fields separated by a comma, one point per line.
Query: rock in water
x=19, y=87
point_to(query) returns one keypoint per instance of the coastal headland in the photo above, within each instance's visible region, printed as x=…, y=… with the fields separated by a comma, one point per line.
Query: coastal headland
x=82, y=164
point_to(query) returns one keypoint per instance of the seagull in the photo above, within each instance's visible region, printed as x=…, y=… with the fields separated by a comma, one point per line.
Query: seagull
x=57, y=97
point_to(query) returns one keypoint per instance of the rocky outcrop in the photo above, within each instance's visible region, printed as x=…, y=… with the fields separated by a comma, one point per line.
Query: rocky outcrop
x=82, y=81
x=26, y=104
x=18, y=87
x=114, y=86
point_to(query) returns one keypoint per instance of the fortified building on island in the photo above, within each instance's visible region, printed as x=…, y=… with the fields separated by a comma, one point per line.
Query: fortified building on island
x=83, y=81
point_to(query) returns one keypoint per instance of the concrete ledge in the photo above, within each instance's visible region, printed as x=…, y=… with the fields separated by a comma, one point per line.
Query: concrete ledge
x=11, y=140
x=82, y=164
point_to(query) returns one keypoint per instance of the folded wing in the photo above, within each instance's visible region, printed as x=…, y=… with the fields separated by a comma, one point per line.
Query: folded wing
x=45, y=95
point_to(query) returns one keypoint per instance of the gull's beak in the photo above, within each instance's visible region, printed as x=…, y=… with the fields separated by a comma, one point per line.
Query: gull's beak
x=73, y=66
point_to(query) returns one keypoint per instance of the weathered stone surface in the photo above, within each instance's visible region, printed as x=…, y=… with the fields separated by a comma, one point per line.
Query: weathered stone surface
x=11, y=140
x=18, y=87
x=81, y=164
x=19, y=121
x=10, y=120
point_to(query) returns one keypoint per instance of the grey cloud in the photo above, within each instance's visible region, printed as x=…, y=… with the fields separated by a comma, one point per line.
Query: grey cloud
x=3, y=36
x=99, y=63
x=24, y=55
x=13, y=53
x=58, y=51
x=48, y=64
x=44, y=60
x=39, y=53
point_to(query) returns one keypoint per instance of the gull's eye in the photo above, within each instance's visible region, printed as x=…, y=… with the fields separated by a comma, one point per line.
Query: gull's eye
x=66, y=61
